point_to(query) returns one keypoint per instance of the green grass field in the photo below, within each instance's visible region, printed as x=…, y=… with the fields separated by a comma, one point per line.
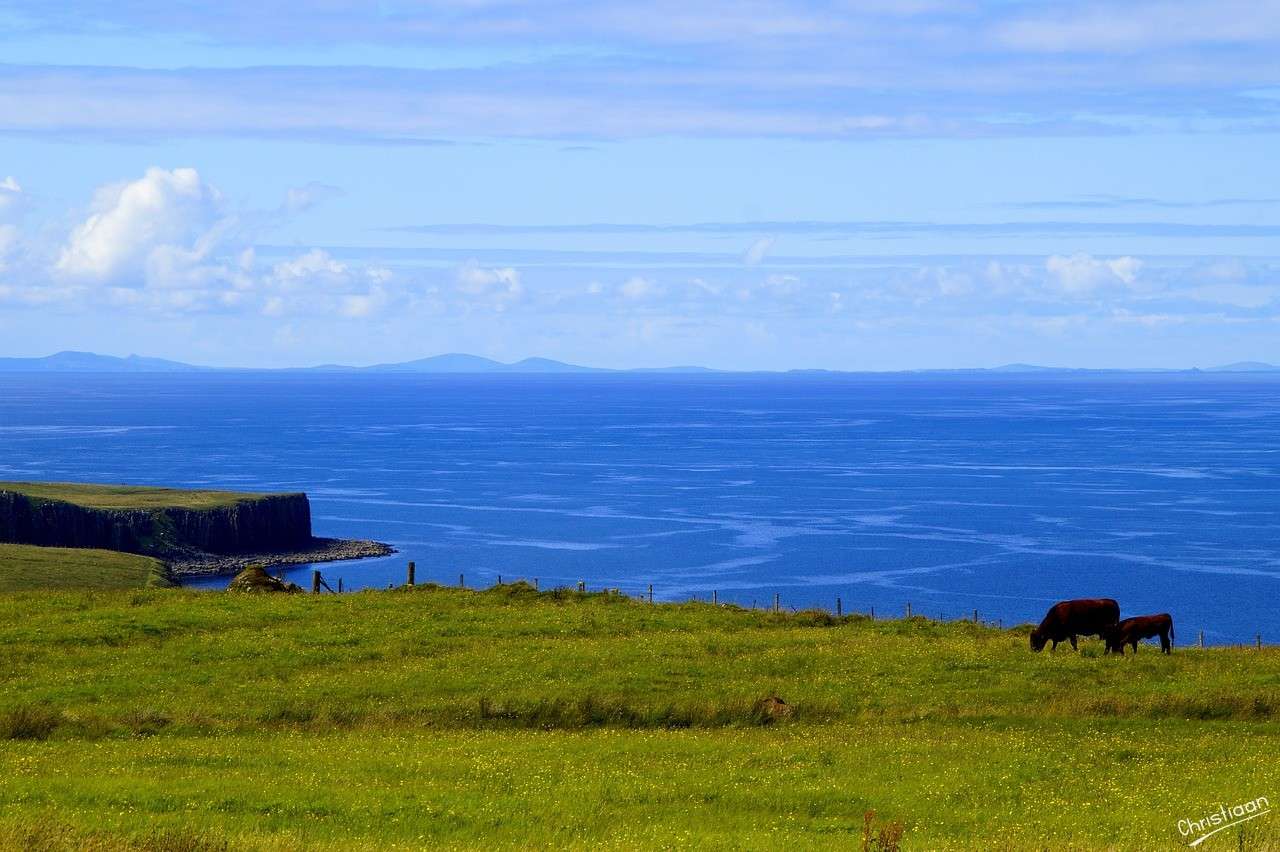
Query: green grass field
x=127, y=496
x=169, y=719
x=23, y=567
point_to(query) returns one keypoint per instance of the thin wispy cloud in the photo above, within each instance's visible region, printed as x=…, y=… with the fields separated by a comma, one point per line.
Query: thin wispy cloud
x=1113, y=202
x=870, y=228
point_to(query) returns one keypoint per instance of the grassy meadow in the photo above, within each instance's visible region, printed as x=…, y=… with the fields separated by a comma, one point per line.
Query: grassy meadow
x=171, y=719
x=95, y=496
x=24, y=567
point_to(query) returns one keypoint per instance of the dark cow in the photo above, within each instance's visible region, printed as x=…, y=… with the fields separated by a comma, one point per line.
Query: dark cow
x=1133, y=630
x=1069, y=619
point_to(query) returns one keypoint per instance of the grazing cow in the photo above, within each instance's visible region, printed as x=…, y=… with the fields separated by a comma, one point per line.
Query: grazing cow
x=1069, y=619
x=1133, y=630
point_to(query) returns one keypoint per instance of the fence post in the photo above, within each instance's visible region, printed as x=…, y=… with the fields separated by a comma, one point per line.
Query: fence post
x=462, y=581
x=839, y=608
x=499, y=579
x=873, y=613
x=339, y=585
x=1258, y=641
x=413, y=570
x=777, y=602
x=1200, y=642
x=315, y=582
x=975, y=616
x=908, y=609
x=535, y=584
x=715, y=598
x=651, y=593
x=582, y=585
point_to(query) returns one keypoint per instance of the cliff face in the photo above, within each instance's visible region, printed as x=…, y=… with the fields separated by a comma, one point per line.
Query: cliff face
x=274, y=522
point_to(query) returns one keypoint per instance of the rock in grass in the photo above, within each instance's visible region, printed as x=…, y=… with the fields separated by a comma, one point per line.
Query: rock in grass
x=256, y=579
x=771, y=709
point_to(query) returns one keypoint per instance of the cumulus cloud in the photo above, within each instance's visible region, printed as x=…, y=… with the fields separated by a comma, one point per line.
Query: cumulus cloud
x=496, y=287
x=160, y=230
x=1083, y=273
x=316, y=281
x=315, y=268
x=170, y=242
x=478, y=280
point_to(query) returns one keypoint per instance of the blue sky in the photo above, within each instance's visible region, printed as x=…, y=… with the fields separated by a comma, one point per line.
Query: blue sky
x=851, y=185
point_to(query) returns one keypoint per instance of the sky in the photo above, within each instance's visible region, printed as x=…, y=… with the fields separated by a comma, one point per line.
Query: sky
x=756, y=184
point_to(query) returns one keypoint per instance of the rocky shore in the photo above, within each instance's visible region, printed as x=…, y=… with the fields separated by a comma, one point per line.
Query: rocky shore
x=319, y=550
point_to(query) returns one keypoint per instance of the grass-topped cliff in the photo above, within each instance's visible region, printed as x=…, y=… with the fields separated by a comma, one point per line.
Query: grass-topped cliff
x=97, y=496
x=162, y=522
x=170, y=719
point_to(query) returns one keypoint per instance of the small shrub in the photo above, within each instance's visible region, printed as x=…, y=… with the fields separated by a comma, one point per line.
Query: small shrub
x=29, y=722
x=813, y=618
x=288, y=714
x=886, y=837
x=146, y=723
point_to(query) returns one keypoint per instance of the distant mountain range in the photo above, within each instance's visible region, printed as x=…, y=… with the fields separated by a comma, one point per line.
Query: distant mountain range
x=88, y=362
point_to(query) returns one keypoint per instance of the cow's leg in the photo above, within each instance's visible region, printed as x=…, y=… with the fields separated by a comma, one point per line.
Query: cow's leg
x=1055, y=645
x=1134, y=643
x=1073, y=643
x=1164, y=643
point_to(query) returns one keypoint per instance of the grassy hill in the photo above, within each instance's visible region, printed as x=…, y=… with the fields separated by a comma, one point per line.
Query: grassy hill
x=23, y=567
x=95, y=496
x=171, y=719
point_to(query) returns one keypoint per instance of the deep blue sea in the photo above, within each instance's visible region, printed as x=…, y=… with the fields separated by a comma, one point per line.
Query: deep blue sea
x=1001, y=494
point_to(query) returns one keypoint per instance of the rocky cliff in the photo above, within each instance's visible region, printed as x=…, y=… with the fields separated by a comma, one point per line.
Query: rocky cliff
x=256, y=524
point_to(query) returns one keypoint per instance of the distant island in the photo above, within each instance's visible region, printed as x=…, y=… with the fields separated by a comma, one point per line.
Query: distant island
x=460, y=364
x=190, y=531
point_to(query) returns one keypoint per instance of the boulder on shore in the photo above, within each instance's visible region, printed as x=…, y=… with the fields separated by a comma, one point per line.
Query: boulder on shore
x=256, y=579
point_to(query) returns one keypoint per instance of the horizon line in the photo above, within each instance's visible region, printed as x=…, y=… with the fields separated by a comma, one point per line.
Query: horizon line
x=482, y=365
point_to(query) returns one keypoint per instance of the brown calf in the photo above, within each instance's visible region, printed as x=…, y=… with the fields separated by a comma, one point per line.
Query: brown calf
x=1133, y=630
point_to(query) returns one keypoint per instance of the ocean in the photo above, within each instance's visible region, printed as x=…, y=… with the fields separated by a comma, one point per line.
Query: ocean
x=953, y=493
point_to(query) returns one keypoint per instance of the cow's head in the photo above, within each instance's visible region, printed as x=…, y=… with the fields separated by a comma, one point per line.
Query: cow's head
x=1037, y=640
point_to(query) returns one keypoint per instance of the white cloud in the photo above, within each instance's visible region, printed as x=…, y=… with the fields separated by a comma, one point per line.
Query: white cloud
x=315, y=280
x=361, y=305
x=160, y=230
x=756, y=251
x=1082, y=273
x=309, y=271
x=498, y=286
x=637, y=287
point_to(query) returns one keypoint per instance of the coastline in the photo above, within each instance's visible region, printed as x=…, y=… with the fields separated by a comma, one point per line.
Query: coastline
x=321, y=550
